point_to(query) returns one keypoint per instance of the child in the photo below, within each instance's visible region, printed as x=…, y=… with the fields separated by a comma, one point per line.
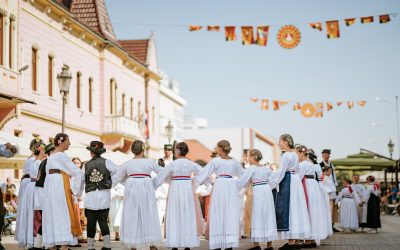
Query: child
x=348, y=207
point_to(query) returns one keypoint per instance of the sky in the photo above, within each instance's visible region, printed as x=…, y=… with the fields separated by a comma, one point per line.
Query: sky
x=217, y=78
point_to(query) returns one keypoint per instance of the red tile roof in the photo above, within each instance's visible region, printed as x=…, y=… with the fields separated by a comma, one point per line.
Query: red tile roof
x=197, y=151
x=136, y=48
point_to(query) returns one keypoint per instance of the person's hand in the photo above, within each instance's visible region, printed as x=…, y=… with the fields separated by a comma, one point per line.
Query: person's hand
x=361, y=204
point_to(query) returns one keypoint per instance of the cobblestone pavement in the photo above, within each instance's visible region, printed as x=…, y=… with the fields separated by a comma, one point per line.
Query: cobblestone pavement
x=387, y=238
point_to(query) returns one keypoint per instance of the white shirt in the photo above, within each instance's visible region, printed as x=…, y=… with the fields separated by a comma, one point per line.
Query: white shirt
x=360, y=190
x=100, y=199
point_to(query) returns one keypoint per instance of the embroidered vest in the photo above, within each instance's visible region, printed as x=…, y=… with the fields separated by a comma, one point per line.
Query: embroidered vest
x=97, y=175
x=41, y=177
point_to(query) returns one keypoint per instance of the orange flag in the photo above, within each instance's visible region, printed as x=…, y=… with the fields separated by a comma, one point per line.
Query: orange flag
x=332, y=29
x=329, y=106
x=264, y=104
x=317, y=26
x=362, y=103
x=349, y=21
x=213, y=28
x=283, y=103
x=367, y=19
x=350, y=105
x=230, y=34
x=339, y=103
x=247, y=35
x=276, y=104
x=319, y=114
x=254, y=99
x=195, y=27
x=384, y=18
x=297, y=106
x=319, y=106
x=262, y=35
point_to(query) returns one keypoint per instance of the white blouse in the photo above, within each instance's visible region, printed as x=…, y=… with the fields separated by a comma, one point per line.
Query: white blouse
x=135, y=166
x=258, y=175
x=289, y=163
x=179, y=167
x=219, y=166
x=61, y=161
x=34, y=169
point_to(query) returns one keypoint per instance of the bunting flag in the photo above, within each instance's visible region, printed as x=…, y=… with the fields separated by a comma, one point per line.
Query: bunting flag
x=289, y=37
x=384, y=18
x=230, y=34
x=350, y=105
x=308, y=110
x=332, y=29
x=297, y=106
x=254, y=99
x=339, y=103
x=362, y=103
x=329, y=106
x=319, y=106
x=247, y=35
x=195, y=27
x=349, y=21
x=283, y=103
x=317, y=26
x=367, y=19
x=214, y=28
x=264, y=104
x=262, y=35
x=276, y=104
x=319, y=114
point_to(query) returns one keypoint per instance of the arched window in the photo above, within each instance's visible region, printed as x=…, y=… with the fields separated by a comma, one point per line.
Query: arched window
x=131, y=113
x=113, y=97
x=78, y=89
x=90, y=94
x=1, y=38
x=50, y=75
x=123, y=104
x=35, y=67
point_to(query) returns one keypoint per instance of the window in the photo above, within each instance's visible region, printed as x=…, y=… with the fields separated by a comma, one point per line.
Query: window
x=123, y=104
x=90, y=94
x=16, y=174
x=131, y=113
x=78, y=90
x=1, y=39
x=51, y=139
x=11, y=36
x=34, y=69
x=113, y=91
x=18, y=133
x=50, y=76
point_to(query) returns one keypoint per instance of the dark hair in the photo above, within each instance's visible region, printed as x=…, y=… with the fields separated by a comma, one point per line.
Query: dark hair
x=60, y=137
x=137, y=147
x=302, y=150
x=183, y=148
x=36, y=149
x=201, y=162
x=371, y=178
x=77, y=158
x=32, y=144
x=225, y=146
x=256, y=154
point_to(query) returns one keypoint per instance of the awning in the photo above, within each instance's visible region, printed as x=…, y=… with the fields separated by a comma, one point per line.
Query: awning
x=363, y=161
x=7, y=99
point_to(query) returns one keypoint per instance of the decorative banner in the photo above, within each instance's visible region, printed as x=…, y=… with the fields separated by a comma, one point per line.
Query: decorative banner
x=296, y=106
x=230, y=34
x=247, y=35
x=332, y=29
x=195, y=28
x=349, y=21
x=367, y=19
x=276, y=104
x=317, y=26
x=319, y=114
x=213, y=28
x=319, y=106
x=350, y=105
x=339, y=103
x=264, y=104
x=362, y=103
x=254, y=99
x=283, y=103
x=289, y=37
x=262, y=35
x=384, y=18
x=329, y=106
x=308, y=110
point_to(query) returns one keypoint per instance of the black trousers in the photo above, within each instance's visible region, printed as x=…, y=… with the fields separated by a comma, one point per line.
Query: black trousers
x=94, y=216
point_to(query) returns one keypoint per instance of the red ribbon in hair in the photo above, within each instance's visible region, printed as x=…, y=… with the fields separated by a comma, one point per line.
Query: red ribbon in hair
x=350, y=189
x=377, y=186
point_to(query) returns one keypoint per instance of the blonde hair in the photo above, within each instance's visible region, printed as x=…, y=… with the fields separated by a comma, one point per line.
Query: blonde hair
x=289, y=139
x=225, y=146
x=256, y=154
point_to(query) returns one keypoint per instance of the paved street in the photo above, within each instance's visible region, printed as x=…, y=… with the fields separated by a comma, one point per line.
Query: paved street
x=387, y=238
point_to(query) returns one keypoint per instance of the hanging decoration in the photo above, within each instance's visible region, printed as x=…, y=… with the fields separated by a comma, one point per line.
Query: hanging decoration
x=308, y=110
x=247, y=35
x=262, y=35
x=349, y=21
x=230, y=34
x=329, y=106
x=289, y=37
x=195, y=27
x=297, y=106
x=384, y=18
x=367, y=19
x=332, y=29
x=213, y=28
x=254, y=99
x=264, y=104
x=275, y=105
x=317, y=26
x=362, y=103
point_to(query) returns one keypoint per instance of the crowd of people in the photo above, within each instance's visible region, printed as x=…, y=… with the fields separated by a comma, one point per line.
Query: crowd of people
x=174, y=201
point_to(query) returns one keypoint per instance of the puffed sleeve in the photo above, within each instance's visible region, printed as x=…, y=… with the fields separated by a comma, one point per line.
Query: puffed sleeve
x=284, y=166
x=205, y=173
x=120, y=176
x=155, y=167
x=339, y=197
x=68, y=166
x=318, y=171
x=244, y=178
x=301, y=170
x=239, y=168
x=78, y=183
x=367, y=194
x=272, y=178
x=111, y=167
x=163, y=175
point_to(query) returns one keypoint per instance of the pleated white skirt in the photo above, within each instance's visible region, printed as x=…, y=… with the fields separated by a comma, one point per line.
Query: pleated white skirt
x=316, y=207
x=20, y=226
x=348, y=214
x=25, y=231
x=327, y=216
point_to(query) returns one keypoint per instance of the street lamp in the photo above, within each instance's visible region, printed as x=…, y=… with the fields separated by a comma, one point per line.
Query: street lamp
x=168, y=131
x=391, y=148
x=64, y=81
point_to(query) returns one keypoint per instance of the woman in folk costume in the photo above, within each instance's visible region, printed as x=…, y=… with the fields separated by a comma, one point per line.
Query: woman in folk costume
x=117, y=200
x=24, y=182
x=326, y=216
x=290, y=203
x=315, y=202
x=224, y=218
x=60, y=219
x=182, y=221
x=263, y=221
x=25, y=234
x=348, y=207
x=140, y=225
x=39, y=198
x=373, y=205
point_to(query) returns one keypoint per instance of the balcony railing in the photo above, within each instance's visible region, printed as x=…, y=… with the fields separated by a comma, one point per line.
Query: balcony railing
x=118, y=124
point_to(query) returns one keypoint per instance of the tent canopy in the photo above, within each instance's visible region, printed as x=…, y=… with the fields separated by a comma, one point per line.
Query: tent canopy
x=363, y=161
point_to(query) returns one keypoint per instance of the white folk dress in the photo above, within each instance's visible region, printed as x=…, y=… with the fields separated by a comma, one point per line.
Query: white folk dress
x=326, y=209
x=299, y=222
x=117, y=200
x=180, y=217
x=348, y=209
x=361, y=191
x=25, y=236
x=56, y=224
x=140, y=225
x=224, y=219
x=316, y=203
x=263, y=220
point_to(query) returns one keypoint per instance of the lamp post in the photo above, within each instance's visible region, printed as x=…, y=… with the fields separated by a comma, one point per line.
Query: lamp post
x=64, y=82
x=391, y=148
x=168, y=131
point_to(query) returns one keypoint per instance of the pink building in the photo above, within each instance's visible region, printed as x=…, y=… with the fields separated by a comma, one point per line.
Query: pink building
x=114, y=87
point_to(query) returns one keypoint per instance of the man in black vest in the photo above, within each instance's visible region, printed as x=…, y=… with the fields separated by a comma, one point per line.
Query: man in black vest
x=98, y=173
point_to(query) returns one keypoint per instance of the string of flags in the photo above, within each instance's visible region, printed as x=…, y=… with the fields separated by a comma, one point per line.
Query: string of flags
x=307, y=109
x=289, y=36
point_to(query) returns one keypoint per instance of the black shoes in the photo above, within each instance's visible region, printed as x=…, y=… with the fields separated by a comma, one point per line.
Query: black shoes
x=288, y=247
x=2, y=247
x=106, y=248
x=255, y=248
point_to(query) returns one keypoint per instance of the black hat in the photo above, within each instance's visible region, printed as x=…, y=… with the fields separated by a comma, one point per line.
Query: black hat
x=168, y=147
x=96, y=147
x=328, y=151
x=49, y=147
